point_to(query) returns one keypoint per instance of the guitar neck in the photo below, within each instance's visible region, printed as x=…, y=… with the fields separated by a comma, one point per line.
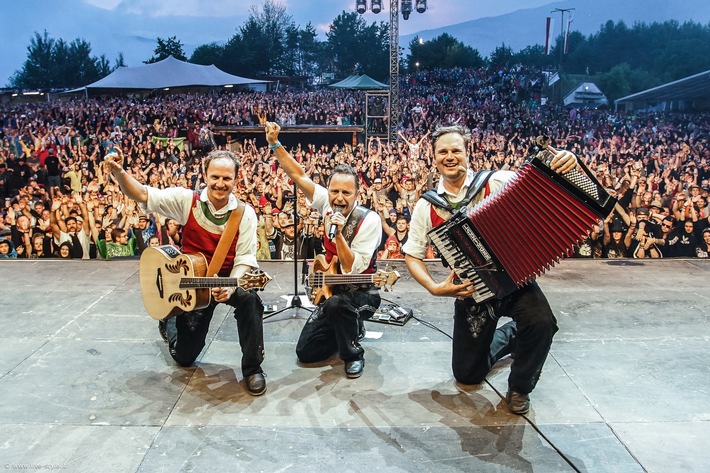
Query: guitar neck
x=197, y=283
x=334, y=279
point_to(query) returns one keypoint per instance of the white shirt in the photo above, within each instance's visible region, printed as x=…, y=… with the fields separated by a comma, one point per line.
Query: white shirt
x=367, y=239
x=81, y=236
x=420, y=224
x=176, y=203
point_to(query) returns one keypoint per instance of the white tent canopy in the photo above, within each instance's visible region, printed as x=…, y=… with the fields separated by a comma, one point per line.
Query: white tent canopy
x=169, y=72
x=362, y=82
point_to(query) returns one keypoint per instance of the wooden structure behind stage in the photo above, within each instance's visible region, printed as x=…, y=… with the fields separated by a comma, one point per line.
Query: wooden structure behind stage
x=304, y=134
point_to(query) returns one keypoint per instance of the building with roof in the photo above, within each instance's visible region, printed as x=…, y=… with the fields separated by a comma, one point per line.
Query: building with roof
x=586, y=94
x=691, y=93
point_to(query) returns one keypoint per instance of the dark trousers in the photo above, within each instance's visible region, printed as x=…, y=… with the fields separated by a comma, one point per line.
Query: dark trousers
x=478, y=344
x=335, y=325
x=187, y=332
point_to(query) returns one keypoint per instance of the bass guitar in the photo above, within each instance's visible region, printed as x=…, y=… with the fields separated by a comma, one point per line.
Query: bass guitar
x=325, y=275
x=173, y=282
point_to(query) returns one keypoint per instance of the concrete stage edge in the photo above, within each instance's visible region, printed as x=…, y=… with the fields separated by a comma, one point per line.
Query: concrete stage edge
x=87, y=385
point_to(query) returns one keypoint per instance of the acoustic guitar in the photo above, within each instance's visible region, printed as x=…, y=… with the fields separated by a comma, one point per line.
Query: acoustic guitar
x=325, y=275
x=173, y=282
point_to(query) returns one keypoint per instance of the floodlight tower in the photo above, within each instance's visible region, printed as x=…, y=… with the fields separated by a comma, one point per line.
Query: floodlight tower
x=376, y=7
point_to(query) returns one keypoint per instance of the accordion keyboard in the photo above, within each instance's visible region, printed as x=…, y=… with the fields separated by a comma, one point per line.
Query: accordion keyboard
x=457, y=260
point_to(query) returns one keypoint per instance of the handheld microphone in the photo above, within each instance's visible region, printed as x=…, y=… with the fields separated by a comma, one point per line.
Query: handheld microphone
x=334, y=228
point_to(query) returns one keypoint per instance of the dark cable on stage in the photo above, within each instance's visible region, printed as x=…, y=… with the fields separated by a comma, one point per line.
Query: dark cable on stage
x=532, y=424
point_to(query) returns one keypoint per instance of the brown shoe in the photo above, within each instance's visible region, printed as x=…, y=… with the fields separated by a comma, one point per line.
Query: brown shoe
x=256, y=384
x=517, y=403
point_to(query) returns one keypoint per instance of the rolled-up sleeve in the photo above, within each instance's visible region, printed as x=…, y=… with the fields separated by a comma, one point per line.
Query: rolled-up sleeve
x=173, y=202
x=245, y=252
x=366, y=242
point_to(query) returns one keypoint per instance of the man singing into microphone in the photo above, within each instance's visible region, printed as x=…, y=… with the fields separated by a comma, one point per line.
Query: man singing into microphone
x=353, y=236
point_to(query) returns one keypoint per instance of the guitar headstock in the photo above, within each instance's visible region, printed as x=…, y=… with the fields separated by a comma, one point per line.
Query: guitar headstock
x=385, y=277
x=255, y=279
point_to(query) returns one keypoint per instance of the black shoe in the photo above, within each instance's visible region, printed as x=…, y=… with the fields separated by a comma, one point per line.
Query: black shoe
x=353, y=369
x=162, y=329
x=256, y=384
x=517, y=403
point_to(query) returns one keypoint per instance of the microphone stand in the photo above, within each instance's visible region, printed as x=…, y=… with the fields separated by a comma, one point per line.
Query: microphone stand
x=295, y=299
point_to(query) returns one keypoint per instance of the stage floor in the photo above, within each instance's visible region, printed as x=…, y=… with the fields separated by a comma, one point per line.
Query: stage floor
x=87, y=385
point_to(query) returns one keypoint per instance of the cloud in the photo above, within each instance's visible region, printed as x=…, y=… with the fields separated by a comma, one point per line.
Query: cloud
x=163, y=8
x=103, y=4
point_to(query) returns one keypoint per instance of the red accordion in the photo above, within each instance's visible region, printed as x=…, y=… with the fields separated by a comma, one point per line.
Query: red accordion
x=518, y=233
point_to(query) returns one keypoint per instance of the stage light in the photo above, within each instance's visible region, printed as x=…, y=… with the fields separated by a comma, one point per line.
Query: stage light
x=406, y=9
x=421, y=6
x=361, y=6
x=376, y=6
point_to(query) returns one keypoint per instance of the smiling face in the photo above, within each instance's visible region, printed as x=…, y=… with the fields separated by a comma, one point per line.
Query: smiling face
x=449, y=154
x=221, y=180
x=64, y=252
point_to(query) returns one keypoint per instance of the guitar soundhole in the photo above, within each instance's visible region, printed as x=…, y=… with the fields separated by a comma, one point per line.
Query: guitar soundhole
x=178, y=297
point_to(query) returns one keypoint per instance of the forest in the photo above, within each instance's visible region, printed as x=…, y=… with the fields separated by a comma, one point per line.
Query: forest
x=621, y=59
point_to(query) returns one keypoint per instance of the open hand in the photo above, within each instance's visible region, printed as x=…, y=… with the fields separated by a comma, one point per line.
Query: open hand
x=450, y=288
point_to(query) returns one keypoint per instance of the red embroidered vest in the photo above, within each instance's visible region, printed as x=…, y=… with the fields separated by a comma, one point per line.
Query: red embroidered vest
x=197, y=238
x=331, y=250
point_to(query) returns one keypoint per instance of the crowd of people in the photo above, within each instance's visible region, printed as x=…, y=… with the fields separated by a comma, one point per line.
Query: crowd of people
x=60, y=201
x=109, y=178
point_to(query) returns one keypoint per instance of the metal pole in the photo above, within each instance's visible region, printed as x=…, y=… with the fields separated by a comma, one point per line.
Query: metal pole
x=394, y=72
x=562, y=49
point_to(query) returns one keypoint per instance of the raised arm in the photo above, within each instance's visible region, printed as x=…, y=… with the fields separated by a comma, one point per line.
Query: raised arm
x=290, y=165
x=129, y=185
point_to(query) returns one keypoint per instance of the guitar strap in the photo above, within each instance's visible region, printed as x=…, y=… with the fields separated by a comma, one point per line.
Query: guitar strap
x=230, y=229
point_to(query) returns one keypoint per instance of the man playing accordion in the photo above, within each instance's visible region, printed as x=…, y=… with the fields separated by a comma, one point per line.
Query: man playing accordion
x=477, y=341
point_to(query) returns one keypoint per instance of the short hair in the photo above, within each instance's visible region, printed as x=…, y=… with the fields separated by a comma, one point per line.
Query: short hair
x=71, y=217
x=116, y=233
x=220, y=154
x=445, y=130
x=347, y=170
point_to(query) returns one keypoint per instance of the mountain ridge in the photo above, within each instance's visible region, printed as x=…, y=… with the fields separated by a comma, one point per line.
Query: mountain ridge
x=529, y=23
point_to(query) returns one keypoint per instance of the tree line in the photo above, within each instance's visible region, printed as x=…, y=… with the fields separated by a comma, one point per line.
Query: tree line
x=621, y=59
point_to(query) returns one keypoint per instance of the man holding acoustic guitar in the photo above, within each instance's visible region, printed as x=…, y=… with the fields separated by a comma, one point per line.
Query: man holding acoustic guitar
x=206, y=216
x=349, y=264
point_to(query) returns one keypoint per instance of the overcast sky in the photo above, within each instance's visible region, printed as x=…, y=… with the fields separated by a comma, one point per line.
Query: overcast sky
x=131, y=26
